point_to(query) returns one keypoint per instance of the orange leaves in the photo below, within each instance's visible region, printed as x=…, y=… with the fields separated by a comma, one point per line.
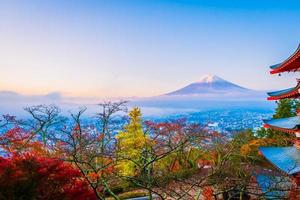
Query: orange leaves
x=103, y=172
x=175, y=166
x=101, y=137
x=93, y=176
x=201, y=163
x=252, y=146
x=17, y=141
x=208, y=193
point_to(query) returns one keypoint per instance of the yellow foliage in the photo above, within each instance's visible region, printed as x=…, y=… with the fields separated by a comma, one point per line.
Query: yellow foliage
x=131, y=143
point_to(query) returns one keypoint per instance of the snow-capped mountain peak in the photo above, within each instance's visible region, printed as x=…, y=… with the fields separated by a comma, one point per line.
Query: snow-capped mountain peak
x=209, y=84
x=210, y=79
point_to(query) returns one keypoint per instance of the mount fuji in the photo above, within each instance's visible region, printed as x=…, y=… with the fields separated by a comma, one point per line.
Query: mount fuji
x=210, y=92
x=209, y=85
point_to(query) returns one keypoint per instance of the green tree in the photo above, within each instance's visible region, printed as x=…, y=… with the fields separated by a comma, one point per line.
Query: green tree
x=285, y=108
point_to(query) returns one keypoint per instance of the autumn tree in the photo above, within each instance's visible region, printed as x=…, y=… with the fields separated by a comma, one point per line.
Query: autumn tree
x=44, y=120
x=230, y=174
x=6, y=121
x=27, y=171
x=175, y=155
x=237, y=163
x=91, y=148
x=136, y=154
x=28, y=176
x=149, y=152
x=131, y=144
x=17, y=141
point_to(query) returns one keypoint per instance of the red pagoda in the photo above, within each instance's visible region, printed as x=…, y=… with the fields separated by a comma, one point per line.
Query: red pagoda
x=286, y=159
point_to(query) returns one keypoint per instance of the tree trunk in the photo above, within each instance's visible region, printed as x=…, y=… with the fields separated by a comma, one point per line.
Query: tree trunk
x=150, y=194
x=111, y=192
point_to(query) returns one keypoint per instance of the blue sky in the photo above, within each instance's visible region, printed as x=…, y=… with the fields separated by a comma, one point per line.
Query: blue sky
x=143, y=47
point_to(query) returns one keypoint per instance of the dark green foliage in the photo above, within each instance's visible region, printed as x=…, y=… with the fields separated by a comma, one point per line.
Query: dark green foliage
x=286, y=108
x=282, y=138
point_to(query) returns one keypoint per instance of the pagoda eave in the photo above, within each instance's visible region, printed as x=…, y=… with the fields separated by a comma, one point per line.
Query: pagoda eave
x=281, y=70
x=285, y=159
x=282, y=129
x=292, y=95
x=289, y=125
x=287, y=93
x=292, y=64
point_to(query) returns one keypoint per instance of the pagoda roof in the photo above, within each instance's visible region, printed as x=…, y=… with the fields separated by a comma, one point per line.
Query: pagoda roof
x=287, y=93
x=290, y=124
x=286, y=159
x=292, y=63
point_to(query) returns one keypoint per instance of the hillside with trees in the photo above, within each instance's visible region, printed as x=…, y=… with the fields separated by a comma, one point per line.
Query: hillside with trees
x=51, y=156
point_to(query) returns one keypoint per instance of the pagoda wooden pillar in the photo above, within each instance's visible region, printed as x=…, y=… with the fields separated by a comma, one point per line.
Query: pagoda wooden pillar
x=294, y=194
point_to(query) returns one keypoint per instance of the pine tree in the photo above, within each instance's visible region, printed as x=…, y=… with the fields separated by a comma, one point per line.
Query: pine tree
x=285, y=108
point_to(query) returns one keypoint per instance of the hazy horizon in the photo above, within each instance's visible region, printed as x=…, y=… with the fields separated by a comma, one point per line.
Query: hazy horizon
x=211, y=92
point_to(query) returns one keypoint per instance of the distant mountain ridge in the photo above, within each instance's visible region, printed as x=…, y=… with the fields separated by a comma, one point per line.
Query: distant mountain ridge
x=211, y=92
x=209, y=84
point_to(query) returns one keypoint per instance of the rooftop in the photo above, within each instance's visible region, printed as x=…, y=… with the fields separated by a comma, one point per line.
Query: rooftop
x=287, y=159
x=292, y=123
x=292, y=63
x=287, y=93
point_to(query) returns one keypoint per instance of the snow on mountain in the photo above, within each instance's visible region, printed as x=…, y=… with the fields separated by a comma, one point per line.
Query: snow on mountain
x=209, y=84
x=210, y=92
